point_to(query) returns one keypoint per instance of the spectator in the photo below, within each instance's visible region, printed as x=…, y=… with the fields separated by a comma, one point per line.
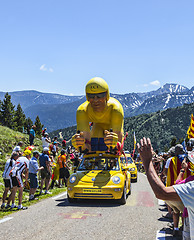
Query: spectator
x=172, y=174
x=33, y=169
x=55, y=139
x=21, y=167
x=54, y=149
x=63, y=168
x=156, y=159
x=7, y=181
x=55, y=175
x=180, y=180
x=75, y=161
x=32, y=135
x=46, y=171
x=43, y=132
x=46, y=140
x=64, y=143
x=183, y=193
x=18, y=147
x=190, y=144
x=170, y=154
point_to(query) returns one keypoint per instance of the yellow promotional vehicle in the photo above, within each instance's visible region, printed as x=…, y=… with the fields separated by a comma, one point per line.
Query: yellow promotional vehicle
x=128, y=161
x=100, y=175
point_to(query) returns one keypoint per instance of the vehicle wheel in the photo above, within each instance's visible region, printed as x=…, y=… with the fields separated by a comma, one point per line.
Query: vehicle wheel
x=71, y=200
x=135, y=180
x=122, y=201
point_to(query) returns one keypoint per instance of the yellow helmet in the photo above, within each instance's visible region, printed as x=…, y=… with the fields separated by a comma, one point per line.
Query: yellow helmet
x=97, y=85
x=27, y=152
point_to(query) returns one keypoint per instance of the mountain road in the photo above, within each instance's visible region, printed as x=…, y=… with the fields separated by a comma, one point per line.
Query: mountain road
x=55, y=218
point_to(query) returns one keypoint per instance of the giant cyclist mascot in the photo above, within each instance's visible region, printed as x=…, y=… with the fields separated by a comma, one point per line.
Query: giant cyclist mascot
x=99, y=119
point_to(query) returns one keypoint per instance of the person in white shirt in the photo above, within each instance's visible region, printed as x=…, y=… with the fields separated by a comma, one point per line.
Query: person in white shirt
x=178, y=193
x=7, y=181
x=46, y=141
x=21, y=167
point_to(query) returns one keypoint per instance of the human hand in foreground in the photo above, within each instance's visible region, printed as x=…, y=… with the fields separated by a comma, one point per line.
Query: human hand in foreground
x=110, y=139
x=78, y=140
x=145, y=150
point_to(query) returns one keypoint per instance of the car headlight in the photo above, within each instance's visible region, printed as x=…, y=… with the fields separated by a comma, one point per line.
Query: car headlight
x=116, y=180
x=72, y=179
x=132, y=169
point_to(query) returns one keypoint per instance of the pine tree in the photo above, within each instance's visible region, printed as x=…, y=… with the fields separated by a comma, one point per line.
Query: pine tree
x=19, y=119
x=7, y=112
x=27, y=125
x=39, y=127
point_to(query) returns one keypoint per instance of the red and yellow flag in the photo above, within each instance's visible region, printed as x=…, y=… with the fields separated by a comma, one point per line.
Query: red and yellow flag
x=174, y=170
x=190, y=131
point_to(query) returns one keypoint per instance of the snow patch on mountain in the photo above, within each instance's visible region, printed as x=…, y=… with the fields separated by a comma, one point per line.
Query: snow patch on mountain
x=167, y=100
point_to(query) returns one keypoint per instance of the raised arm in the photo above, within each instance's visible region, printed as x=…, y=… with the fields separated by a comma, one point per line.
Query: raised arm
x=160, y=191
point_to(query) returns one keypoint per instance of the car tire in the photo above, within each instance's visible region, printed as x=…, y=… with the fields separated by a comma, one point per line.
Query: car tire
x=123, y=199
x=135, y=180
x=71, y=200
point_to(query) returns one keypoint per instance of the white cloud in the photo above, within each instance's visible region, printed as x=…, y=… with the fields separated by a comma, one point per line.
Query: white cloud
x=146, y=85
x=43, y=68
x=155, y=83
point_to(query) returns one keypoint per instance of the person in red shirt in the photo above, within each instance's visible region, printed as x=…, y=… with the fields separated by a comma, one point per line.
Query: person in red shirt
x=64, y=143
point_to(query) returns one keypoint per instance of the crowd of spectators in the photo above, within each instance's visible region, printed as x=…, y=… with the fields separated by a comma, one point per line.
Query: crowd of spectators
x=165, y=172
x=37, y=171
x=51, y=167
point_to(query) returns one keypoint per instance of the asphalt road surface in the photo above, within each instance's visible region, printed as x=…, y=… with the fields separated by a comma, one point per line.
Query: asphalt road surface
x=55, y=218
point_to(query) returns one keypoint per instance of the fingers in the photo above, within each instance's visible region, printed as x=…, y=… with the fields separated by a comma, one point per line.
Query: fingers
x=78, y=140
x=110, y=138
x=144, y=146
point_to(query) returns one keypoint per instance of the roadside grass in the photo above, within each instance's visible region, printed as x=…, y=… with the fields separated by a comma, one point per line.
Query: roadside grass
x=27, y=203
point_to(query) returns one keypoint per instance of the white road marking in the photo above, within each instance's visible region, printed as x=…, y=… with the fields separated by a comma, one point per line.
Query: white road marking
x=160, y=235
x=6, y=219
x=58, y=196
x=161, y=202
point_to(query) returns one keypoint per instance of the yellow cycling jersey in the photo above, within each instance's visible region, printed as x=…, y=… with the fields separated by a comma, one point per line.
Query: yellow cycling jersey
x=110, y=118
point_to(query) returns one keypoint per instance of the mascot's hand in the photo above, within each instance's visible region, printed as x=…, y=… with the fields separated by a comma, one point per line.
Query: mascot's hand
x=78, y=140
x=110, y=139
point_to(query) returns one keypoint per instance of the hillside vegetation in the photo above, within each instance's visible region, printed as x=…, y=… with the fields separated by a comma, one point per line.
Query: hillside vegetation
x=161, y=127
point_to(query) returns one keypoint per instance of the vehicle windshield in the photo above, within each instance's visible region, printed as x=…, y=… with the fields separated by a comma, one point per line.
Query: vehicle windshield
x=99, y=163
x=129, y=160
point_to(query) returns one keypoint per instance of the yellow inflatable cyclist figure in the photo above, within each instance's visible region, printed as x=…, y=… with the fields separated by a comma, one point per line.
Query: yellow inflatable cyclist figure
x=104, y=112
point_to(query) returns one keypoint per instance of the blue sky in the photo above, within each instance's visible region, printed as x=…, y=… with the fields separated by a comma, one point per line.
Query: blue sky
x=57, y=46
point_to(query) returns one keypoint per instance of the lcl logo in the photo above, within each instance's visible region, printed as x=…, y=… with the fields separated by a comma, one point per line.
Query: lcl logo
x=94, y=87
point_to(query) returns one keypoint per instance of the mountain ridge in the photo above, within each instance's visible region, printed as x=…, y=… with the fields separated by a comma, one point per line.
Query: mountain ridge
x=59, y=111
